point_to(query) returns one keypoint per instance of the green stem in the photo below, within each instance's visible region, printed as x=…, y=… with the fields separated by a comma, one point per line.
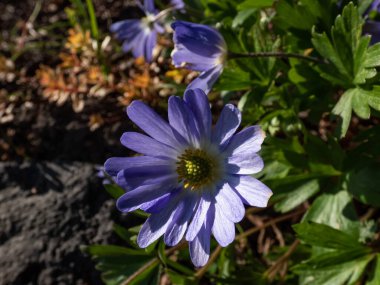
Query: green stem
x=94, y=24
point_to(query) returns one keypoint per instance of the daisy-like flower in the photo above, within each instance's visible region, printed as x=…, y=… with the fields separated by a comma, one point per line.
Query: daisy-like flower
x=193, y=179
x=372, y=24
x=199, y=48
x=139, y=35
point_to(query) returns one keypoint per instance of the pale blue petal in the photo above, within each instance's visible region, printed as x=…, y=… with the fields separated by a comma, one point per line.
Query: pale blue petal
x=113, y=165
x=181, y=118
x=206, y=79
x=248, y=141
x=230, y=203
x=252, y=191
x=244, y=164
x=145, y=145
x=156, y=225
x=152, y=124
x=198, y=102
x=223, y=229
x=226, y=125
x=146, y=193
x=180, y=221
x=199, y=216
x=200, y=246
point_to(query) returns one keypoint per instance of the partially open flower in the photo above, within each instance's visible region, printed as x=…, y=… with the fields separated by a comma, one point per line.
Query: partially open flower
x=139, y=35
x=192, y=178
x=199, y=48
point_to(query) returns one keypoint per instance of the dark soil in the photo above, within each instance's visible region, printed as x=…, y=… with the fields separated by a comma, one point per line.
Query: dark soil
x=47, y=212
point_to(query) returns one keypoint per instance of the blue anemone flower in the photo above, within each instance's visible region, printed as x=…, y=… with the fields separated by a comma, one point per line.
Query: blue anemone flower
x=372, y=26
x=139, y=35
x=193, y=179
x=199, y=48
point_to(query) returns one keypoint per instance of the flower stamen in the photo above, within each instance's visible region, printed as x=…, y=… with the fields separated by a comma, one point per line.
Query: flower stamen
x=196, y=169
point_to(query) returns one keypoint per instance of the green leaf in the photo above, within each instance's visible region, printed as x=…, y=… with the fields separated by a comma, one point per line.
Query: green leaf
x=358, y=100
x=375, y=278
x=233, y=78
x=242, y=17
x=114, y=190
x=341, y=273
x=179, y=279
x=93, y=21
x=373, y=56
x=248, y=4
x=344, y=109
x=334, y=257
x=335, y=210
x=295, y=16
x=352, y=62
x=297, y=196
x=325, y=236
x=364, y=184
x=118, y=263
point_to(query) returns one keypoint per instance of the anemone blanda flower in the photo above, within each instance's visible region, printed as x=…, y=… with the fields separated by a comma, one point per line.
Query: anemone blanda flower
x=199, y=48
x=139, y=35
x=192, y=178
x=372, y=26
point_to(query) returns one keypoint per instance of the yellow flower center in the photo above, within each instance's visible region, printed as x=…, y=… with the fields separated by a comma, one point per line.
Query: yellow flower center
x=196, y=168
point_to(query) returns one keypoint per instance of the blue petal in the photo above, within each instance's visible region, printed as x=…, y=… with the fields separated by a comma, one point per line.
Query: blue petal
x=114, y=164
x=149, y=6
x=200, y=39
x=178, y=4
x=181, y=217
x=200, y=246
x=206, y=79
x=199, y=216
x=198, y=102
x=226, y=125
x=152, y=124
x=158, y=28
x=223, y=229
x=156, y=225
x=126, y=29
x=246, y=142
x=145, y=145
x=157, y=205
x=181, y=118
x=230, y=203
x=248, y=163
x=183, y=57
x=130, y=180
x=138, y=48
x=146, y=193
x=252, y=191
x=150, y=43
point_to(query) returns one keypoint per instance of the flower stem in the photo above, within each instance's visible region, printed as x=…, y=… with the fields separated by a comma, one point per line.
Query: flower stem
x=233, y=55
x=152, y=263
